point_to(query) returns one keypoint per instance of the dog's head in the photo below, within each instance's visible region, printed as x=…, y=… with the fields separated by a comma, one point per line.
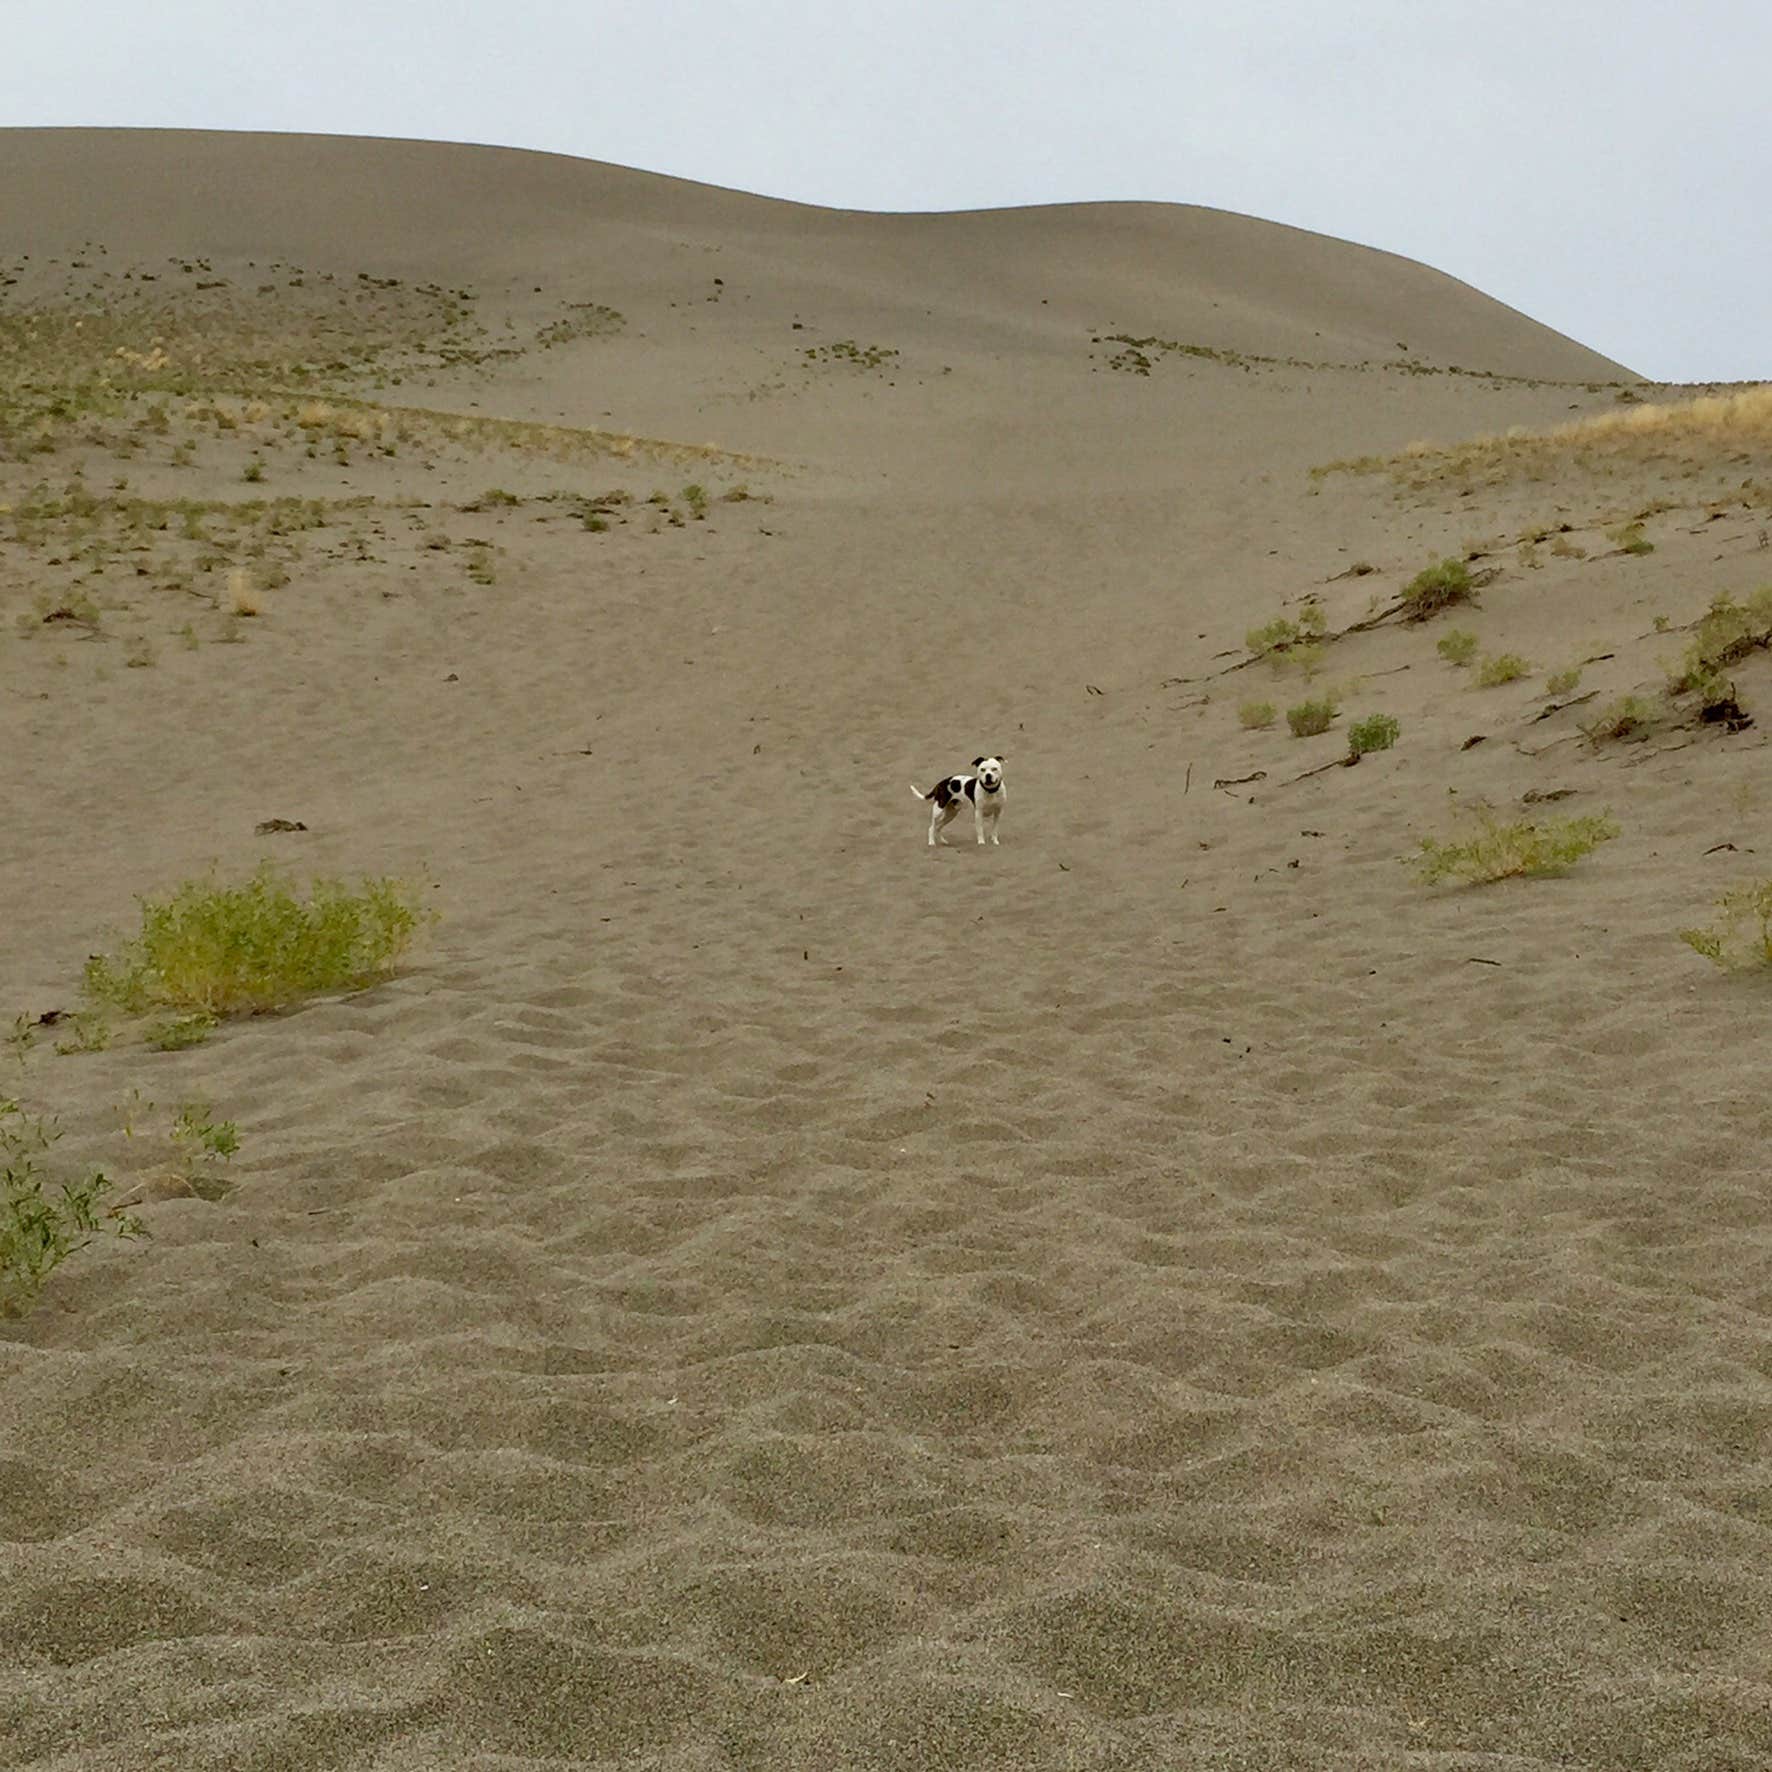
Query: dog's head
x=990, y=773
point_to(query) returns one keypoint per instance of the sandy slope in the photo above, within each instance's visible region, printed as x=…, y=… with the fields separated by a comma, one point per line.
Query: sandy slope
x=1169, y=1291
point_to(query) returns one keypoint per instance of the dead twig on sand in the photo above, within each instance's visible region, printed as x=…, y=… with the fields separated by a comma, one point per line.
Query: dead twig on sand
x=1556, y=707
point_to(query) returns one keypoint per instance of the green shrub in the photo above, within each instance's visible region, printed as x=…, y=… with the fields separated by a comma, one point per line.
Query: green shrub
x=40, y=1230
x=1435, y=588
x=1377, y=732
x=1499, y=668
x=1727, y=633
x=1282, y=634
x=1628, y=717
x=1309, y=718
x=1491, y=850
x=213, y=951
x=1256, y=715
x=1458, y=647
x=1561, y=682
x=1745, y=935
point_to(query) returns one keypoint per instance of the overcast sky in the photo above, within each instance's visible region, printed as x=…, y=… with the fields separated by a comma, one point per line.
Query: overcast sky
x=1605, y=165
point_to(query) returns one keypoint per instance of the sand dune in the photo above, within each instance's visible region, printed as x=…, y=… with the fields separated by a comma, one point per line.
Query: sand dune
x=1170, y=1291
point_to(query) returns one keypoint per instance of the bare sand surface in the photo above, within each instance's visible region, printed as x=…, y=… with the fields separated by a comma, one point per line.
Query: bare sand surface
x=755, y=1292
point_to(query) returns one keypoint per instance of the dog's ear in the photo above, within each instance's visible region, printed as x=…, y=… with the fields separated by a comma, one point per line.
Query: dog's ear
x=976, y=761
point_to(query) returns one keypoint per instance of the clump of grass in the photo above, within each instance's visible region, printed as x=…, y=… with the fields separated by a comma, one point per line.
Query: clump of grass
x=1491, y=850
x=695, y=496
x=1283, y=634
x=1309, y=718
x=179, y=1032
x=1744, y=937
x=1561, y=682
x=1256, y=716
x=1631, y=540
x=1628, y=717
x=1458, y=647
x=39, y=1229
x=1713, y=428
x=1435, y=588
x=1726, y=633
x=88, y=1031
x=215, y=951
x=1499, y=668
x=1377, y=732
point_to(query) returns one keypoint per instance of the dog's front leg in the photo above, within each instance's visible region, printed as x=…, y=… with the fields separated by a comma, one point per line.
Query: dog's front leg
x=978, y=821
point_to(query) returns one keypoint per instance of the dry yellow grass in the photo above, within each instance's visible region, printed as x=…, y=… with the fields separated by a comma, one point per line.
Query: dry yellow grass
x=242, y=598
x=1734, y=427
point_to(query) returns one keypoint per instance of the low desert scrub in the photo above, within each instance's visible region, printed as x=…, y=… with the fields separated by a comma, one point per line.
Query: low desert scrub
x=1715, y=429
x=1628, y=717
x=1744, y=936
x=1256, y=716
x=1561, y=682
x=1377, y=732
x=1490, y=850
x=210, y=951
x=1631, y=539
x=1309, y=718
x=39, y=1229
x=1458, y=647
x=1726, y=633
x=1499, y=668
x=846, y=350
x=1283, y=635
x=1435, y=588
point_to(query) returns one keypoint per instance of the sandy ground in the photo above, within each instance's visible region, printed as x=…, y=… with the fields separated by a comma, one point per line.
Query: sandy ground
x=758, y=1293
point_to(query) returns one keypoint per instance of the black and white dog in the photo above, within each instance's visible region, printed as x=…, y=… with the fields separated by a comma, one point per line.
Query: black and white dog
x=984, y=790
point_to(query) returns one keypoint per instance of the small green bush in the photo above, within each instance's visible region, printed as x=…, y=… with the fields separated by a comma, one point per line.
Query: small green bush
x=1458, y=647
x=1499, y=668
x=1745, y=935
x=1495, y=851
x=1561, y=682
x=1309, y=718
x=40, y=1230
x=1435, y=588
x=1628, y=717
x=1727, y=633
x=1377, y=732
x=1282, y=634
x=214, y=951
x=1256, y=715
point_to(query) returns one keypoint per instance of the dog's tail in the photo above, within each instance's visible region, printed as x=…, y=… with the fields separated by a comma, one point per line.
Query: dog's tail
x=920, y=794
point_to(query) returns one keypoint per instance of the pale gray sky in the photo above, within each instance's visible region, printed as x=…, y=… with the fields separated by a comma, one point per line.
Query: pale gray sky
x=1606, y=165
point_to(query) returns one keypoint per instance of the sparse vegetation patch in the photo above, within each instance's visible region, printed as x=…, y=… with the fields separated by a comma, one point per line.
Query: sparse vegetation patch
x=1436, y=588
x=1490, y=850
x=1743, y=936
x=42, y=1224
x=211, y=951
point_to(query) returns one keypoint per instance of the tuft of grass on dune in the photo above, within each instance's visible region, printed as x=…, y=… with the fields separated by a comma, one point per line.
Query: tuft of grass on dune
x=1488, y=850
x=212, y=951
x=1743, y=936
x=1730, y=430
x=42, y=1224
